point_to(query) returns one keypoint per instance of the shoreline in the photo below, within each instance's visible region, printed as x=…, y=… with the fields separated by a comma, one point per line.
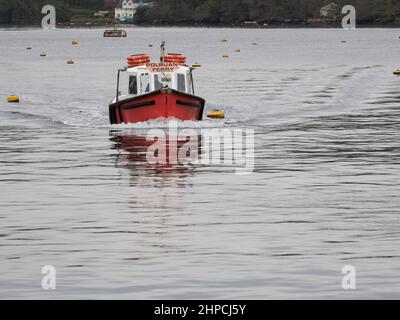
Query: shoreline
x=288, y=25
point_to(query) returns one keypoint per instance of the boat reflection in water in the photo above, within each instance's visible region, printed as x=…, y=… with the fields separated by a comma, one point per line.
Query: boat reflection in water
x=157, y=162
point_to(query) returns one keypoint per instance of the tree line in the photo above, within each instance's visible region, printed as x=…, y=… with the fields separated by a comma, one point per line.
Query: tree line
x=28, y=12
x=219, y=12
x=264, y=11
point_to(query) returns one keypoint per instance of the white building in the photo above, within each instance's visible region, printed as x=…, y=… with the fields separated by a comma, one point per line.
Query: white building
x=126, y=10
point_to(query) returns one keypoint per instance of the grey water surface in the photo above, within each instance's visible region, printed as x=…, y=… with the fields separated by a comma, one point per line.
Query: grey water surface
x=79, y=195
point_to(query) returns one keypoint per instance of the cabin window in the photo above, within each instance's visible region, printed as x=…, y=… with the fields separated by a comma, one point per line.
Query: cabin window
x=190, y=84
x=144, y=83
x=162, y=80
x=181, y=82
x=133, y=85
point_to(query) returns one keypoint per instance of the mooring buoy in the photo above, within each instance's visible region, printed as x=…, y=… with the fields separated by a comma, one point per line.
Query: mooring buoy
x=12, y=99
x=216, y=114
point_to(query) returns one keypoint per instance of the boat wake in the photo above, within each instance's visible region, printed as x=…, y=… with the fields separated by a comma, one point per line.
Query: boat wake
x=24, y=119
x=167, y=123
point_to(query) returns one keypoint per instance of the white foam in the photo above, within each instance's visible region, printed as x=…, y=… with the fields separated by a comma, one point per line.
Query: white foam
x=165, y=123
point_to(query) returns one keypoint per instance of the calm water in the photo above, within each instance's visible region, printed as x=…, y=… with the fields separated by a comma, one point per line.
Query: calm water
x=78, y=194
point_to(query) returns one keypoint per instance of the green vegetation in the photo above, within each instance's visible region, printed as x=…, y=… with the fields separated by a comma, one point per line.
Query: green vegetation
x=235, y=12
x=28, y=12
x=216, y=12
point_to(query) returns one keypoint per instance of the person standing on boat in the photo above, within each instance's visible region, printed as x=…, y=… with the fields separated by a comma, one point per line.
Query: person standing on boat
x=133, y=85
x=162, y=55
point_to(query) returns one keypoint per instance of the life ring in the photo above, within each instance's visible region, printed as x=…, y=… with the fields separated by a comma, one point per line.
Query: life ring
x=175, y=57
x=139, y=56
x=137, y=60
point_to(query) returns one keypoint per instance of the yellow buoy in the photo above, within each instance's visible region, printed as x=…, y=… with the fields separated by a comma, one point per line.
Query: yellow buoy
x=75, y=42
x=196, y=65
x=225, y=56
x=70, y=61
x=43, y=54
x=12, y=99
x=396, y=72
x=216, y=114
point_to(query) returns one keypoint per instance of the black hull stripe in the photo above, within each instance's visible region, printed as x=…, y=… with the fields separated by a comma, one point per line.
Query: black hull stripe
x=188, y=103
x=139, y=105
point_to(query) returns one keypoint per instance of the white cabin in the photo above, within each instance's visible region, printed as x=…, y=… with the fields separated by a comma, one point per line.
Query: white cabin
x=143, y=80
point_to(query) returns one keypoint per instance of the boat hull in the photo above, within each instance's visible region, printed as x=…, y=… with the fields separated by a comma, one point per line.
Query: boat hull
x=162, y=104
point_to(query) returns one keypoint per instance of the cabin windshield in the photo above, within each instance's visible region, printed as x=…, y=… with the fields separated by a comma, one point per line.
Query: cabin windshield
x=190, y=88
x=133, y=84
x=144, y=83
x=162, y=80
x=181, y=82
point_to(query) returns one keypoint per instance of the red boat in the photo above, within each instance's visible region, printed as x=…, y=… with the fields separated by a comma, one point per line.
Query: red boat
x=158, y=90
